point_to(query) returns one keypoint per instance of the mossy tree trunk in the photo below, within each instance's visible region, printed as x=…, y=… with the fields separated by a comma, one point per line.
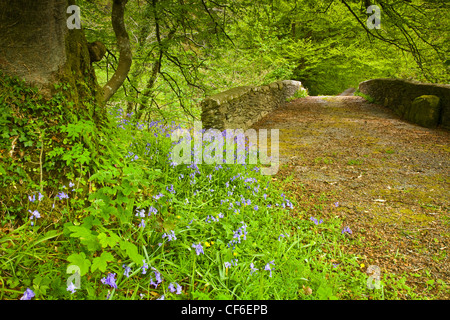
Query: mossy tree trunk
x=36, y=45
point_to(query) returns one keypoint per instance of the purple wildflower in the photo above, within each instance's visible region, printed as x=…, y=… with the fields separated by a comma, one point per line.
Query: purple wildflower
x=252, y=268
x=172, y=288
x=268, y=268
x=347, y=229
x=144, y=267
x=110, y=280
x=127, y=270
x=157, y=278
x=28, y=294
x=170, y=236
x=152, y=210
x=71, y=288
x=315, y=221
x=198, y=248
x=62, y=195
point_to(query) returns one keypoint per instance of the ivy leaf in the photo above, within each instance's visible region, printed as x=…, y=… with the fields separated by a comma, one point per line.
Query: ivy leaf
x=101, y=262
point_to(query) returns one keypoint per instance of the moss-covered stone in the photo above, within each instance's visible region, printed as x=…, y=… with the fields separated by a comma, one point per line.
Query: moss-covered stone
x=399, y=95
x=425, y=111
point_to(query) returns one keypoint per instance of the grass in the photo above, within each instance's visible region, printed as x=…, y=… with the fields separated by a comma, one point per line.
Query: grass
x=142, y=227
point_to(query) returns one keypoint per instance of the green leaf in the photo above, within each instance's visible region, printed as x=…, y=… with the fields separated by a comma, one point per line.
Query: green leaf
x=106, y=241
x=80, y=260
x=86, y=237
x=101, y=262
x=132, y=251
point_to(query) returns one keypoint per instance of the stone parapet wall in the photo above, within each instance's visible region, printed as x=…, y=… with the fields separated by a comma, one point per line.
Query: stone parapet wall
x=413, y=101
x=243, y=106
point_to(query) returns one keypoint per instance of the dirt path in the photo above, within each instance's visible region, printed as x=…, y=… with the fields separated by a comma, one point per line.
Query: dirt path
x=391, y=179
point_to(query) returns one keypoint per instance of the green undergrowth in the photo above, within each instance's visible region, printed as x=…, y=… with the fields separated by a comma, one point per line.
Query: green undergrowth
x=140, y=226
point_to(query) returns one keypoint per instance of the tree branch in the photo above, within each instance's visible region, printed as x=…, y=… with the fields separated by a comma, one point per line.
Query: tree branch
x=123, y=44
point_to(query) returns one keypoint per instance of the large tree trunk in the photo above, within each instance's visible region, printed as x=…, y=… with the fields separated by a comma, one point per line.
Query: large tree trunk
x=36, y=45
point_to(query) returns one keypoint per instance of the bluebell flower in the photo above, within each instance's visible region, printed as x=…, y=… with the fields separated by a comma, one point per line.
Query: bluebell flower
x=140, y=212
x=110, y=280
x=315, y=221
x=268, y=268
x=157, y=196
x=198, y=248
x=152, y=210
x=179, y=288
x=171, y=189
x=34, y=214
x=252, y=268
x=127, y=270
x=157, y=277
x=172, y=288
x=347, y=229
x=32, y=198
x=71, y=288
x=144, y=267
x=171, y=236
x=62, y=195
x=28, y=294
x=40, y=196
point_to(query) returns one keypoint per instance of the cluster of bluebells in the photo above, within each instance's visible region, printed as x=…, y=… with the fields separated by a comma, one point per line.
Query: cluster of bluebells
x=315, y=221
x=34, y=215
x=198, y=248
x=33, y=197
x=172, y=288
x=158, y=196
x=347, y=229
x=132, y=156
x=232, y=263
x=62, y=195
x=210, y=218
x=241, y=232
x=158, y=278
x=171, y=189
x=110, y=280
x=170, y=236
